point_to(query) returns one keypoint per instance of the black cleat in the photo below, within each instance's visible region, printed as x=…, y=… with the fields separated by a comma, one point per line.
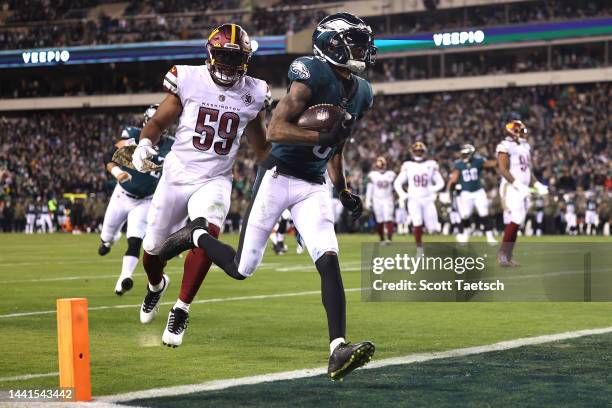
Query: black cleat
x=175, y=328
x=347, y=357
x=279, y=248
x=104, y=248
x=126, y=285
x=181, y=240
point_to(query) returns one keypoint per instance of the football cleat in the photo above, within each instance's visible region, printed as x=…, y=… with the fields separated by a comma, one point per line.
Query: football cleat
x=490, y=238
x=150, y=304
x=347, y=357
x=420, y=251
x=462, y=238
x=506, y=262
x=124, y=284
x=178, y=319
x=181, y=240
x=104, y=248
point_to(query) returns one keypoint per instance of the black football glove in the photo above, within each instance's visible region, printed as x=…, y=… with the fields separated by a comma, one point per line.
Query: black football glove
x=338, y=133
x=352, y=202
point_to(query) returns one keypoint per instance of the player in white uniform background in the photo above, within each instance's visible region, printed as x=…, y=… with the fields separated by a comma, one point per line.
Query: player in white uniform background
x=514, y=166
x=424, y=181
x=571, y=219
x=591, y=218
x=215, y=104
x=380, y=199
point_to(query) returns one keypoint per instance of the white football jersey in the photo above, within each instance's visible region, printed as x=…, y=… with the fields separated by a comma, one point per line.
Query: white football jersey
x=520, y=158
x=423, y=179
x=381, y=184
x=211, y=123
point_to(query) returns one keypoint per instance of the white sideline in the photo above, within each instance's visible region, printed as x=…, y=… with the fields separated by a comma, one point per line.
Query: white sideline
x=212, y=300
x=305, y=373
x=27, y=377
x=112, y=401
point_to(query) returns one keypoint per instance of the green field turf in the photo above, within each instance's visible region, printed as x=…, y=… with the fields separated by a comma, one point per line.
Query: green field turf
x=566, y=373
x=231, y=338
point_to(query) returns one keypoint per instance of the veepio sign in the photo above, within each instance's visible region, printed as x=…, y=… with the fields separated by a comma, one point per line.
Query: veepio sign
x=459, y=38
x=43, y=57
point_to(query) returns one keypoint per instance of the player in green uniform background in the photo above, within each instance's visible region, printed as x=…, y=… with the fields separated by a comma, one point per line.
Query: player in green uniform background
x=466, y=177
x=130, y=202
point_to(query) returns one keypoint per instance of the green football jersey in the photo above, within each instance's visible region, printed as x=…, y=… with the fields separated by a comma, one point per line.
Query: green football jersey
x=144, y=184
x=469, y=173
x=310, y=162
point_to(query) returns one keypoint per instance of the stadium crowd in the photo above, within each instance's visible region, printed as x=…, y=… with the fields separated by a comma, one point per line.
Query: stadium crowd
x=53, y=154
x=156, y=20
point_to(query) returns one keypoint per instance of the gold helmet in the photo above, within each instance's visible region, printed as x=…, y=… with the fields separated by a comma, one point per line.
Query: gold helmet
x=516, y=128
x=380, y=163
x=418, y=150
x=229, y=52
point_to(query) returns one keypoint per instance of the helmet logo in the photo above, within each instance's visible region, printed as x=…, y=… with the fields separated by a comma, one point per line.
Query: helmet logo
x=299, y=68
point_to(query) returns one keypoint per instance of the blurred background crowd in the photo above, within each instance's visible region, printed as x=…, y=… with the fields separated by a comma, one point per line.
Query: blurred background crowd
x=46, y=155
x=51, y=159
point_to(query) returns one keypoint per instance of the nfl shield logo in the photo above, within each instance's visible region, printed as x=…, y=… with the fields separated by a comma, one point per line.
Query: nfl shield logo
x=322, y=114
x=247, y=99
x=221, y=98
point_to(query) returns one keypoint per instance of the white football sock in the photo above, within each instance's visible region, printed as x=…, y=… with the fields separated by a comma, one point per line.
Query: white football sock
x=182, y=305
x=273, y=238
x=334, y=343
x=159, y=286
x=197, y=234
x=129, y=264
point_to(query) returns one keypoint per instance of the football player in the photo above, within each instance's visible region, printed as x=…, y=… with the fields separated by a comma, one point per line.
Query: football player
x=591, y=218
x=215, y=104
x=466, y=179
x=424, y=181
x=278, y=234
x=130, y=202
x=379, y=198
x=293, y=176
x=30, y=227
x=514, y=167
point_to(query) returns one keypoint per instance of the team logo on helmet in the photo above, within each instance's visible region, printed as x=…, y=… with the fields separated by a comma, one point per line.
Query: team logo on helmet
x=299, y=69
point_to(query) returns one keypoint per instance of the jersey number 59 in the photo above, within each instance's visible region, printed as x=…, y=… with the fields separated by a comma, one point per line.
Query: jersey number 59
x=227, y=126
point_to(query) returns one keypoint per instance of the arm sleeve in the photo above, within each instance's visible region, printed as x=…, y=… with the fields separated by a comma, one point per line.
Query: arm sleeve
x=398, y=184
x=369, y=191
x=438, y=180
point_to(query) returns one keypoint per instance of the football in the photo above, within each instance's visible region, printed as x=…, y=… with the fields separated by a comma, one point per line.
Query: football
x=321, y=117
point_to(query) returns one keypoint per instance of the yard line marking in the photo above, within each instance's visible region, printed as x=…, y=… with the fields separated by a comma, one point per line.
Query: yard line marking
x=212, y=300
x=312, y=372
x=28, y=377
x=169, y=269
x=61, y=262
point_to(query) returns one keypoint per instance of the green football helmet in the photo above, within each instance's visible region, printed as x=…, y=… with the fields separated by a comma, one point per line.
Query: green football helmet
x=344, y=40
